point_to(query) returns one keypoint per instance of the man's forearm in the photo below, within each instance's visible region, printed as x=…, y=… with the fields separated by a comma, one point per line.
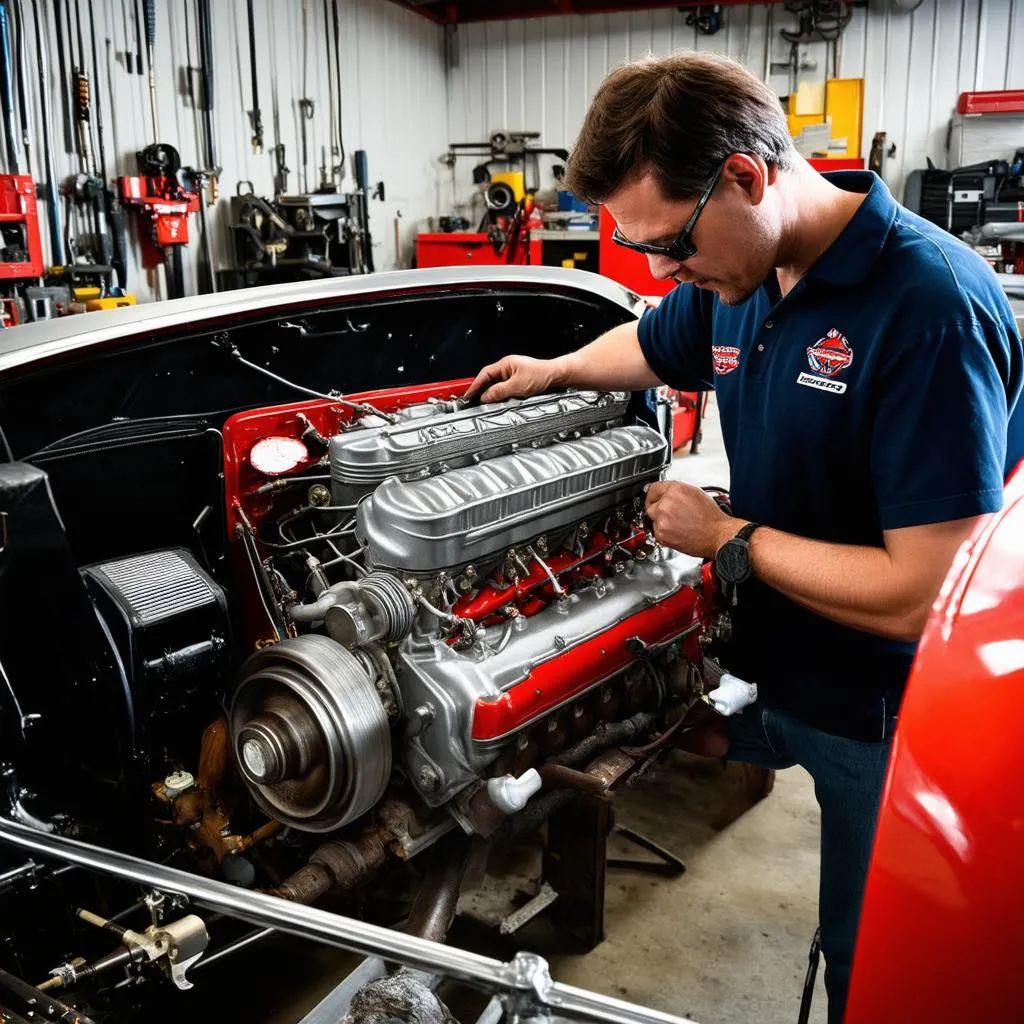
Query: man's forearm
x=850, y=584
x=612, y=362
x=868, y=588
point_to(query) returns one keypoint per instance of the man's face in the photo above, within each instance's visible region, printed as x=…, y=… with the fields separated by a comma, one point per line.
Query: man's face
x=734, y=237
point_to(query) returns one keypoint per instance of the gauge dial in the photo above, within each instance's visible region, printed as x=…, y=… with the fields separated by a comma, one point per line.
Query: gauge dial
x=273, y=456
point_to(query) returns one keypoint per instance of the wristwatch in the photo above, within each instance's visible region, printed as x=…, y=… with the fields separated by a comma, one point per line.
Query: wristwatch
x=732, y=561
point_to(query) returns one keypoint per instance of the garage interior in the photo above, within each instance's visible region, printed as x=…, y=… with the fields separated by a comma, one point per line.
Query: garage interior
x=421, y=117
x=157, y=150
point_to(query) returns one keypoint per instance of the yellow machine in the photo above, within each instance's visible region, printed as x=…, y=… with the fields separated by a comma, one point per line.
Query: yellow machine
x=516, y=180
x=90, y=296
x=843, y=110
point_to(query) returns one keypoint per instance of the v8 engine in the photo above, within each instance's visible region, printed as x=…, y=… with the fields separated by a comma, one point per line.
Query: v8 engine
x=448, y=600
x=503, y=573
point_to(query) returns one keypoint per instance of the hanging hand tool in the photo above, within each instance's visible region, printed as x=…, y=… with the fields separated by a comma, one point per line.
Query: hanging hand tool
x=69, y=143
x=190, y=68
x=198, y=181
x=127, y=45
x=117, y=256
x=23, y=93
x=138, y=38
x=89, y=187
x=324, y=183
x=150, y=40
x=42, y=46
x=257, y=117
x=102, y=167
x=117, y=223
x=82, y=112
x=281, y=169
x=305, y=115
x=339, y=168
x=281, y=172
x=305, y=104
x=363, y=185
x=7, y=91
x=206, y=61
x=110, y=90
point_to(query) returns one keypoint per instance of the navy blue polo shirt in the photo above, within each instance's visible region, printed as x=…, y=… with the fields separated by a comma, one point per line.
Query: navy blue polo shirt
x=875, y=395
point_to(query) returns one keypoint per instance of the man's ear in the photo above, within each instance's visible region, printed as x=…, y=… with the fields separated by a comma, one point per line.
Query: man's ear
x=751, y=174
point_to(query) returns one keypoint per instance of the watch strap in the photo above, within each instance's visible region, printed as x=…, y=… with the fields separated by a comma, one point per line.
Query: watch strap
x=746, y=532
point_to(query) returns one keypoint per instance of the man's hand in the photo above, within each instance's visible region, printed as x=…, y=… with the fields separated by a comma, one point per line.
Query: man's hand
x=515, y=377
x=688, y=519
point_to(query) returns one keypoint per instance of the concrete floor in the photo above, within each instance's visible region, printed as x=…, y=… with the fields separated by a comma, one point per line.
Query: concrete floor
x=725, y=943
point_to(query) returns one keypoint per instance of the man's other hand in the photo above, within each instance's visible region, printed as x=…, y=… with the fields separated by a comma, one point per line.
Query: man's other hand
x=688, y=519
x=514, y=377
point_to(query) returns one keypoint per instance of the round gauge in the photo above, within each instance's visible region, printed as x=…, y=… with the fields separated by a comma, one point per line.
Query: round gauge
x=273, y=456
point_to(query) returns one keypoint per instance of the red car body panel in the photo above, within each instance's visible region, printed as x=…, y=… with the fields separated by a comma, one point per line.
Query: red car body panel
x=943, y=918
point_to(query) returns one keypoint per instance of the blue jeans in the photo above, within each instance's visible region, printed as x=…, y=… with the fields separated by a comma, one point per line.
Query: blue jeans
x=848, y=776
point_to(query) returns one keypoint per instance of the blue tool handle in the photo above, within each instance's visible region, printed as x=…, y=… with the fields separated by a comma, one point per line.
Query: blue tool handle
x=150, y=22
x=362, y=169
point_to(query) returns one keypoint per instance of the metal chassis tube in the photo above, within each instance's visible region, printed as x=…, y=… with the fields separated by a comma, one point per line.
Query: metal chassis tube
x=523, y=984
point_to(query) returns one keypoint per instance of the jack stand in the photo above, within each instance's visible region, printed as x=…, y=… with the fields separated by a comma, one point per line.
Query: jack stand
x=574, y=866
x=576, y=861
x=667, y=864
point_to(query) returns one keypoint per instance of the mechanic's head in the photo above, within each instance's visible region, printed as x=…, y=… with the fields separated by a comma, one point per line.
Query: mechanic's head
x=664, y=134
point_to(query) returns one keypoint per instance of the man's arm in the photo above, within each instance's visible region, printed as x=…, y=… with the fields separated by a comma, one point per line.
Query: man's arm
x=612, y=362
x=888, y=591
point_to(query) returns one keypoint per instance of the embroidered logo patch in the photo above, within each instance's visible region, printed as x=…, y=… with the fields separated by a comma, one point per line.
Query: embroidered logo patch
x=830, y=355
x=725, y=358
x=834, y=387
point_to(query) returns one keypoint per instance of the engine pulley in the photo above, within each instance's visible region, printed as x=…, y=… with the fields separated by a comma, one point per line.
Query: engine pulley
x=310, y=734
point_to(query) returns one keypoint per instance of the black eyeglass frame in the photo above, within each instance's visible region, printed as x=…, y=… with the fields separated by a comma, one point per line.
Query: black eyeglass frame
x=682, y=248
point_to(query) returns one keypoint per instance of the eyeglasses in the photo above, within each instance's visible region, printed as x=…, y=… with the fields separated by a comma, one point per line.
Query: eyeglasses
x=682, y=248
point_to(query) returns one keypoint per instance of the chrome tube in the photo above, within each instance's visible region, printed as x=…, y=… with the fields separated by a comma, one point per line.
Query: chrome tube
x=524, y=981
x=8, y=879
x=234, y=947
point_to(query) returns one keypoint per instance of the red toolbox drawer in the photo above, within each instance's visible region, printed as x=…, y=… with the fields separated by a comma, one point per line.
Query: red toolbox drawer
x=467, y=249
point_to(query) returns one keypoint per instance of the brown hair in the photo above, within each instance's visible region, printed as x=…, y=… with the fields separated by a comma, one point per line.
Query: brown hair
x=678, y=117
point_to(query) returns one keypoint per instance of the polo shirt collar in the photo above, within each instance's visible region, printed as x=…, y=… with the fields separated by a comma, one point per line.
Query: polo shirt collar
x=849, y=259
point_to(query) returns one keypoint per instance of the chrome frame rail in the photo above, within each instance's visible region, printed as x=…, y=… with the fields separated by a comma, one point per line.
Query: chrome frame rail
x=523, y=985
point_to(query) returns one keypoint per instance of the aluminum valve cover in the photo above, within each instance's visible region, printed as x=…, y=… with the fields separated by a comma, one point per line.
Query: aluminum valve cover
x=476, y=511
x=361, y=459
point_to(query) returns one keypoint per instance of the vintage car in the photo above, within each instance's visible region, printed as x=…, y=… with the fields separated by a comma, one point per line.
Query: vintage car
x=284, y=617
x=290, y=633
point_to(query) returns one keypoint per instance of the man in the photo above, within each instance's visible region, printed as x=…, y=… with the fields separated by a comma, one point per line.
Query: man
x=865, y=363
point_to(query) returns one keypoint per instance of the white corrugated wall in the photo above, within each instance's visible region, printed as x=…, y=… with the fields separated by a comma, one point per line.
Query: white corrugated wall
x=541, y=73
x=401, y=106
x=393, y=103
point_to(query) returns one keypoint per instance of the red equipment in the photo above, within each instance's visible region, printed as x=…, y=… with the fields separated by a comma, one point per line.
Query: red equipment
x=943, y=909
x=469, y=248
x=9, y=315
x=168, y=206
x=21, y=252
x=1002, y=101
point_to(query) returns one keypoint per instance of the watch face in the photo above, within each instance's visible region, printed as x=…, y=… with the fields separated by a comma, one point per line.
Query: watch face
x=732, y=562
